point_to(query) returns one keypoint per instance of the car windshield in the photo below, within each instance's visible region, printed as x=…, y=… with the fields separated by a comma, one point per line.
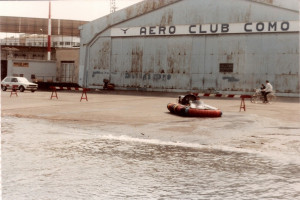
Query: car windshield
x=7, y=80
x=23, y=80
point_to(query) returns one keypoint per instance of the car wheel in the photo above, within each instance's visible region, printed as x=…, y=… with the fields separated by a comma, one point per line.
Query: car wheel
x=4, y=88
x=21, y=88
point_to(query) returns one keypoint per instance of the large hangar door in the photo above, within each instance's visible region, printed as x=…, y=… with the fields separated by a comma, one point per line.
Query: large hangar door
x=127, y=62
x=152, y=63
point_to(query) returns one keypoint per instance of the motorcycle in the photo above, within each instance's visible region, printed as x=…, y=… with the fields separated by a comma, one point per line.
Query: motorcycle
x=107, y=85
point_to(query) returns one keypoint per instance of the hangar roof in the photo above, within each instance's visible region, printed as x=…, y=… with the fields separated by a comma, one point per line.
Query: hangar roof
x=40, y=26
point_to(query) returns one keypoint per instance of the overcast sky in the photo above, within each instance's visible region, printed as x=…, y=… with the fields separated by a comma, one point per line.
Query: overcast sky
x=86, y=10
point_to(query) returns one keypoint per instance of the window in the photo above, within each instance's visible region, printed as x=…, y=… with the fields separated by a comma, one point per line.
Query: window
x=7, y=80
x=61, y=43
x=68, y=43
x=226, y=67
x=21, y=64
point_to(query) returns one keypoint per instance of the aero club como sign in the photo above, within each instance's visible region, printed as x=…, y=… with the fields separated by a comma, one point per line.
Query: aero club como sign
x=204, y=29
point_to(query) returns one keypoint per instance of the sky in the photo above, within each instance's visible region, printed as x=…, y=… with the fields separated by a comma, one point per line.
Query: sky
x=86, y=10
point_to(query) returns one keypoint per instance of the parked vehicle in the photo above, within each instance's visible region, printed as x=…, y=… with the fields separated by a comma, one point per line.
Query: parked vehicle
x=21, y=82
x=258, y=97
x=107, y=85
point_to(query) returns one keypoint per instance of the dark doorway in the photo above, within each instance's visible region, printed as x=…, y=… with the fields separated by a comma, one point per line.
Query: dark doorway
x=3, y=69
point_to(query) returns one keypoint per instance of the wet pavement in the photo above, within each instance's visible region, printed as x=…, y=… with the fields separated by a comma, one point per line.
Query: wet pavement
x=128, y=146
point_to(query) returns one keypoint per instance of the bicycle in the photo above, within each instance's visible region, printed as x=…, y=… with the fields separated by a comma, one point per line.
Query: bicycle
x=258, y=97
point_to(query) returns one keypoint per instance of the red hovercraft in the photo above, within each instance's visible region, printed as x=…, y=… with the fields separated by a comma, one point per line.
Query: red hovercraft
x=191, y=106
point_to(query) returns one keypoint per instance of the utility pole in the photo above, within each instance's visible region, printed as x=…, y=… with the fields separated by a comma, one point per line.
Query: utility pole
x=113, y=6
x=49, y=33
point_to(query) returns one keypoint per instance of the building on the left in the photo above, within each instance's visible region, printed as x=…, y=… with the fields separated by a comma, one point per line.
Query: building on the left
x=24, y=48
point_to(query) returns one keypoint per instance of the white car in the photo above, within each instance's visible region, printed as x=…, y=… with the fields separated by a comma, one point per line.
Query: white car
x=21, y=82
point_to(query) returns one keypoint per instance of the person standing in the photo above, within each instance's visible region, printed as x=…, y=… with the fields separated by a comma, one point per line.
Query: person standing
x=267, y=90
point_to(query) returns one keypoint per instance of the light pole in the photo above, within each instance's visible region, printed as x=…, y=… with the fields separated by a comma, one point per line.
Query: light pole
x=49, y=33
x=42, y=35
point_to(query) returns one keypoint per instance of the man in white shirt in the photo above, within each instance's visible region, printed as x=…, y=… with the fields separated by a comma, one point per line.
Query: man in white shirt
x=267, y=90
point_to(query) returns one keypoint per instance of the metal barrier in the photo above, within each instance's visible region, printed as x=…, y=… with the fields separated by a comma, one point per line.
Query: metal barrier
x=14, y=90
x=243, y=104
x=243, y=97
x=83, y=95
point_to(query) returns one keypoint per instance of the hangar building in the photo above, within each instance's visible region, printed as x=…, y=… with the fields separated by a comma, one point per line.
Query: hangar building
x=193, y=46
x=26, y=54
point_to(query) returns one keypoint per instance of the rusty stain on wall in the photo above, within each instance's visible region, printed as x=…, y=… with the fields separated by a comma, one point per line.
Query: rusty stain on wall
x=171, y=61
x=170, y=17
x=104, y=54
x=147, y=6
x=137, y=60
x=167, y=18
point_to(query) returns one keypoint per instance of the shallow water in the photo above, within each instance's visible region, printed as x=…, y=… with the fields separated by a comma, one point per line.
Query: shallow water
x=46, y=160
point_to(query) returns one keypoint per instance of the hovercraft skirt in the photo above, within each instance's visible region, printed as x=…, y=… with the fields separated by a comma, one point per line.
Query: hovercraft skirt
x=183, y=110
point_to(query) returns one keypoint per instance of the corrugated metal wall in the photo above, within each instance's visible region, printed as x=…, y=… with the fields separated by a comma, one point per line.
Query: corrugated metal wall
x=191, y=62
